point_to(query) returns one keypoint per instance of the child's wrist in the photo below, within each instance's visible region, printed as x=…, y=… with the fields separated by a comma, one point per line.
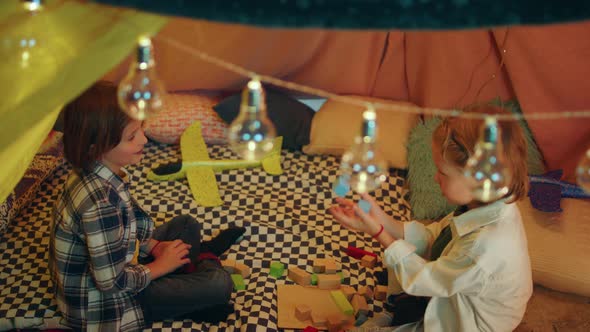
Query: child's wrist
x=154, y=247
x=376, y=235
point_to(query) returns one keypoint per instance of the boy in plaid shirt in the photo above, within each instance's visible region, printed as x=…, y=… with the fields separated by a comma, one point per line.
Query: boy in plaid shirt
x=97, y=223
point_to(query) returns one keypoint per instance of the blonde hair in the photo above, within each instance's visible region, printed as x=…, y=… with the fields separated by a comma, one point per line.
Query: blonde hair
x=456, y=138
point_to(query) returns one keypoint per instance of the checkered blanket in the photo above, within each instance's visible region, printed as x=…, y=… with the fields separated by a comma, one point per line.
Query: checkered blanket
x=285, y=216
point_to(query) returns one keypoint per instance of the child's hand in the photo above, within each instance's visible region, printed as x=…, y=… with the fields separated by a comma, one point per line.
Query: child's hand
x=374, y=219
x=344, y=213
x=173, y=256
x=376, y=212
x=159, y=248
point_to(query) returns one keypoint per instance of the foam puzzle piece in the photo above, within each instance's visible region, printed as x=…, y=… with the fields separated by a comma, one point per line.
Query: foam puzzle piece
x=364, y=205
x=341, y=186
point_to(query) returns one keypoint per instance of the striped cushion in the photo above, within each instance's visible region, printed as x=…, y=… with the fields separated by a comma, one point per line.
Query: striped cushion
x=180, y=111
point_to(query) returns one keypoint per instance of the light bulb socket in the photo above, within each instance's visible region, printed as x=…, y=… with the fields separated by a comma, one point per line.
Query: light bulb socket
x=490, y=131
x=32, y=5
x=253, y=98
x=144, y=53
x=369, y=129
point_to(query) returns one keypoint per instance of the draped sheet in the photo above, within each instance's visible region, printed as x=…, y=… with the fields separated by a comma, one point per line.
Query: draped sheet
x=48, y=59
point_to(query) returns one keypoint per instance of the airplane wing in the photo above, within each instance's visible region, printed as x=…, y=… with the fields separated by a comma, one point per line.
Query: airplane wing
x=201, y=180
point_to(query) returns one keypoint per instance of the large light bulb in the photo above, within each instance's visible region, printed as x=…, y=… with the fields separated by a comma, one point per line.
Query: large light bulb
x=32, y=5
x=251, y=133
x=363, y=168
x=583, y=172
x=140, y=93
x=485, y=168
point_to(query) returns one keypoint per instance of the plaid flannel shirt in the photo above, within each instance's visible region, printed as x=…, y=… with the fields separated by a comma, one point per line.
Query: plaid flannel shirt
x=96, y=223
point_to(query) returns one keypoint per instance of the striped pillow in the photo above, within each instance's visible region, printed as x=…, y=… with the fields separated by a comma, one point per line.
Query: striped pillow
x=180, y=111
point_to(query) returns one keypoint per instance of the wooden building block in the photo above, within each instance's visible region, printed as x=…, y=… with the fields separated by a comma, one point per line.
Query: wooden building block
x=328, y=281
x=229, y=265
x=299, y=276
x=366, y=291
x=303, y=312
x=242, y=269
x=318, y=319
x=357, y=253
x=238, y=282
x=360, y=320
x=319, y=265
x=330, y=267
x=369, y=261
x=359, y=304
x=334, y=323
x=342, y=302
x=277, y=269
x=348, y=291
x=380, y=292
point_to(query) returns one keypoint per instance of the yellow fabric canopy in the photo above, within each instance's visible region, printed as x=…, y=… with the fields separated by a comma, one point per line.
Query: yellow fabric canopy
x=47, y=59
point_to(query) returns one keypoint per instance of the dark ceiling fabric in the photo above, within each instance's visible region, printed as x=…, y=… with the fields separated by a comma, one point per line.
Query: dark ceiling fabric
x=370, y=14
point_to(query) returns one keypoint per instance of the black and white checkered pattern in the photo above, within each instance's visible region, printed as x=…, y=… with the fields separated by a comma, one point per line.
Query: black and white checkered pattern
x=285, y=216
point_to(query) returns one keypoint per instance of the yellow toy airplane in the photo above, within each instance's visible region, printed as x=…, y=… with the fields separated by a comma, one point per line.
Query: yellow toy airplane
x=200, y=170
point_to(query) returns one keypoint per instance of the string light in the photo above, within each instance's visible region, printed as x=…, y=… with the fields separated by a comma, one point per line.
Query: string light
x=487, y=187
x=251, y=133
x=362, y=168
x=358, y=102
x=32, y=5
x=140, y=93
x=485, y=168
x=583, y=172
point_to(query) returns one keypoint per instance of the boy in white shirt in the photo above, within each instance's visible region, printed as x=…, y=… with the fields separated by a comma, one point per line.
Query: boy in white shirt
x=474, y=266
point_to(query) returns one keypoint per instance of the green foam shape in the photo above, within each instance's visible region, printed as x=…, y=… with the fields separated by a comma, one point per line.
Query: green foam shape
x=277, y=269
x=342, y=302
x=238, y=282
x=314, y=279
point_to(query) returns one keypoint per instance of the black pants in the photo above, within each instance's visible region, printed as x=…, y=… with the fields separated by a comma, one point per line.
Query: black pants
x=406, y=308
x=177, y=294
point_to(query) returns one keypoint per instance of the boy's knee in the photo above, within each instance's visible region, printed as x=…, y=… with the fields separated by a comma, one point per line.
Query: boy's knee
x=225, y=285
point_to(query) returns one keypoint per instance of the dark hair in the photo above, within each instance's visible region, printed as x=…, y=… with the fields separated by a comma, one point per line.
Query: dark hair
x=457, y=137
x=93, y=125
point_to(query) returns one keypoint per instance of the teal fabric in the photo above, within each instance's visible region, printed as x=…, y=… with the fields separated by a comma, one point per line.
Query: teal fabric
x=371, y=14
x=426, y=198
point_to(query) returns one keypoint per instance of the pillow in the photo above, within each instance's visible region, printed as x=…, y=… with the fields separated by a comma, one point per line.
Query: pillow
x=336, y=124
x=559, y=244
x=425, y=196
x=180, y=111
x=50, y=156
x=535, y=163
x=291, y=117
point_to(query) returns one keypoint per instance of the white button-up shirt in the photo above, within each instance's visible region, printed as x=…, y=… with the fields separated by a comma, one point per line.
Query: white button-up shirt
x=481, y=282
